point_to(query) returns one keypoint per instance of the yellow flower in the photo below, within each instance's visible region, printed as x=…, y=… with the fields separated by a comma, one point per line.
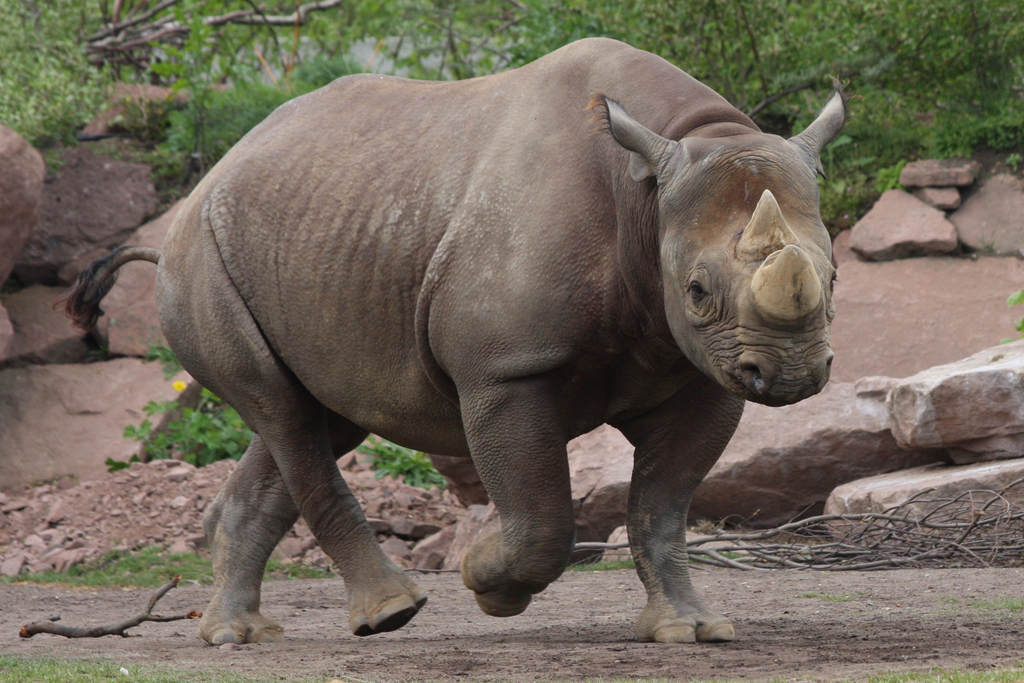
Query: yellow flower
x=179, y=386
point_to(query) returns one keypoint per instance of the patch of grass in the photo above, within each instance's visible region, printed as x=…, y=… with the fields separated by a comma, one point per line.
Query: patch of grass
x=150, y=568
x=831, y=597
x=46, y=670
x=938, y=675
x=603, y=566
x=1011, y=604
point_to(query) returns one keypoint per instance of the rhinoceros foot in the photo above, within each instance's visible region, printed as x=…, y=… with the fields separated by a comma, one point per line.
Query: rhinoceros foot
x=248, y=627
x=663, y=624
x=486, y=575
x=384, y=606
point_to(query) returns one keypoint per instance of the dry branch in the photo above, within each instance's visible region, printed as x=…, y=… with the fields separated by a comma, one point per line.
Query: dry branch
x=117, y=41
x=974, y=529
x=51, y=626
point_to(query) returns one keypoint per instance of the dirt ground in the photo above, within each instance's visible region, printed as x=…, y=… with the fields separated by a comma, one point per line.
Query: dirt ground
x=580, y=628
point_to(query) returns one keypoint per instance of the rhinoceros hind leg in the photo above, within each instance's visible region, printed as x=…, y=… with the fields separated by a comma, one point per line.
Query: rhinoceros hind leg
x=243, y=524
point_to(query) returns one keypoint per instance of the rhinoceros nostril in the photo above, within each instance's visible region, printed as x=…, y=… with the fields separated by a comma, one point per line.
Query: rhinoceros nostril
x=752, y=377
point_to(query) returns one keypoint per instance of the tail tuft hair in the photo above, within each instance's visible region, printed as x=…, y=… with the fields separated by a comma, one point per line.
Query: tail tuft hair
x=599, y=106
x=81, y=303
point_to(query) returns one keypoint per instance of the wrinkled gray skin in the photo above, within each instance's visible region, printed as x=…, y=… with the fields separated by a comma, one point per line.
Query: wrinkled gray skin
x=478, y=269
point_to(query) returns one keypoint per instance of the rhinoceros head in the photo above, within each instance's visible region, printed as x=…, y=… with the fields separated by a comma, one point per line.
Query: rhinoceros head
x=745, y=259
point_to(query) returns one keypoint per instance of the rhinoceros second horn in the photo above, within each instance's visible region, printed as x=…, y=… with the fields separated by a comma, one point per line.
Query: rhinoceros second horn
x=786, y=286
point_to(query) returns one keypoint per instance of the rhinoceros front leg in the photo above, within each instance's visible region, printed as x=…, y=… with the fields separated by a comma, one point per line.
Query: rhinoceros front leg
x=518, y=447
x=676, y=445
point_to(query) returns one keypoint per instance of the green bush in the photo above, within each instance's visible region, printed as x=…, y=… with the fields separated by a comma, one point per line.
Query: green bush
x=394, y=460
x=211, y=431
x=47, y=86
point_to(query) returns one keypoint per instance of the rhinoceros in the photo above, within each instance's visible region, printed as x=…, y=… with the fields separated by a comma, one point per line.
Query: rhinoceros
x=488, y=268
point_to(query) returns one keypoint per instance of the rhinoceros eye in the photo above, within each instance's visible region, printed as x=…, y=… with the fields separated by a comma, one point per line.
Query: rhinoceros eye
x=697, y=292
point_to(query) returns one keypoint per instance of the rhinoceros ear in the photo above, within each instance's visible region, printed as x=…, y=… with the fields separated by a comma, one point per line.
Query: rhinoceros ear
x=823, y=129
x=649, y=150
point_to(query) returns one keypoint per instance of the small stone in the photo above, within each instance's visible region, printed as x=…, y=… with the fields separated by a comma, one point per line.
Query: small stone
x=618, y=536
x=939, y=173
x=56, y=513
x=12, y=566
x=432, y=550
x=229, y=647
x=396, y=547
x=178, y=474
x=943, y=198
x=379, y=526
x=179, y=546
x=290, y=547
x=178, y=502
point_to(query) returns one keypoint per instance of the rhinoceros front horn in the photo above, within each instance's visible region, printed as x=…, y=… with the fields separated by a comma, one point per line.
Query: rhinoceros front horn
x=767, y=231
x=786, y=286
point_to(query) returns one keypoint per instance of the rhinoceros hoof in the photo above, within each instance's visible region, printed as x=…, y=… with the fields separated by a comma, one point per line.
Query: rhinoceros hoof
x=253, y=628
x=687, y=630
x=392, y=615
x=503, y=602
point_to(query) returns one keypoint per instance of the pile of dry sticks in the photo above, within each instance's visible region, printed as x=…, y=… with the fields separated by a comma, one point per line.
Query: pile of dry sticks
x=977, y=528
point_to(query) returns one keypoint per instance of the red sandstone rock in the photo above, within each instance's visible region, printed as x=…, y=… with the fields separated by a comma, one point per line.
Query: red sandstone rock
x=42, y=334
x=93, y=202
x=431, y=552
x=21, y=185
x=462, y=478
x=131, y=322
x=61, y=420
x=900, y=317
x=973, y=407
x=943, y=198
x=879, y=493
x=901, y=225
x=600, y=467
x=783, y=462
x=939, y=173
x=992, y=219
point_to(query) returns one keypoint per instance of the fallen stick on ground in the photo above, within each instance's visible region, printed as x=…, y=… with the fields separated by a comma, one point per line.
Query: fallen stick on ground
x=118, y=629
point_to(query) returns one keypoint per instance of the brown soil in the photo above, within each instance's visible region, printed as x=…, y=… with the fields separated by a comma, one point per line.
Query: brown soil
x=580, y=628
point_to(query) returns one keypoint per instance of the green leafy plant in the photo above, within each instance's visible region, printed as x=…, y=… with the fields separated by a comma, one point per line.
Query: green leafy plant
x=163, y=355
x=1013, y=161
x=888, y=178
x=209, y=432
x=1015, y=299
x=394, y=460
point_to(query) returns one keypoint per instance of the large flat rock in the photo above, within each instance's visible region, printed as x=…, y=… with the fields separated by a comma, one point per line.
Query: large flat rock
x=900, y=225
x=61, y=420
x=939, y=173
x=131, y=322
x=881, y=492
x=93, y=203
x=900, y=317
x=42, y=334
x=992, y=219
x=784, y=462
x=21, y=186
x=973, y=407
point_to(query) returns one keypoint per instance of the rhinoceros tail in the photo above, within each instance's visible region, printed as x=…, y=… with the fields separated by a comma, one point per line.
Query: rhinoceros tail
x=82, y=302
